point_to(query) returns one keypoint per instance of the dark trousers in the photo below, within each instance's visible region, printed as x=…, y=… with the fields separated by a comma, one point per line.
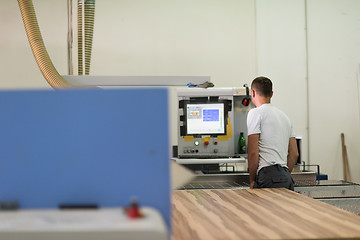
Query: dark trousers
x=274, y=176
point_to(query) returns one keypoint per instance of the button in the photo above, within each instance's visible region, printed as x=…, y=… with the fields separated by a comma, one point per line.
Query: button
x=215, y=143
x=216, y=151
x=206, y=143
x=196, y=143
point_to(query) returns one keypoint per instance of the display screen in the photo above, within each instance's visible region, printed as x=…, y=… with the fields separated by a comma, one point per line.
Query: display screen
x=205, y=118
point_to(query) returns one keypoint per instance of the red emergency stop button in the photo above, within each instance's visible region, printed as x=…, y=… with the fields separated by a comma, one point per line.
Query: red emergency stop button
x=206, y=143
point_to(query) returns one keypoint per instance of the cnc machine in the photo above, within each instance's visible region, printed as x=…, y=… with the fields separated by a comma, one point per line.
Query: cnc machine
x=209, y=125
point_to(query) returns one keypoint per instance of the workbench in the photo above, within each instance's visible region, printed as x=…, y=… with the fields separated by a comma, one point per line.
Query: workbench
x=258, y=214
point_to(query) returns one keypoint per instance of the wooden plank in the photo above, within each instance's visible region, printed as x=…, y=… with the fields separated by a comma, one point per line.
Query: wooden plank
x=257, y=214
x=346, y=168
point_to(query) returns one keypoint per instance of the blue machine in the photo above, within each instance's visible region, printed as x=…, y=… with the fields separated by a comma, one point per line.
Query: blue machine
x=99, y=147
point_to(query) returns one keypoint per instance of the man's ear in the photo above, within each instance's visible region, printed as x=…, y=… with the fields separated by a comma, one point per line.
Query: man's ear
x=252, y=93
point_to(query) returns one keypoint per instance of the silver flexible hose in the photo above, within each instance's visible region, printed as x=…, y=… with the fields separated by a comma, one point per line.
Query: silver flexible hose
x=80, y=37
x=38, y=48
x=86, y=18
x=89, y=32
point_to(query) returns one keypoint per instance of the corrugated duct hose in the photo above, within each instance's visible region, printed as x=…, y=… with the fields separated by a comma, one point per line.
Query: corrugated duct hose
x=85, y=34
x=38, y=48
x=80, y=38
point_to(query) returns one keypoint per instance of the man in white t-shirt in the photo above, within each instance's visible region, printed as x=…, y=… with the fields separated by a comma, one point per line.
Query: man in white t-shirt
x=272, y=149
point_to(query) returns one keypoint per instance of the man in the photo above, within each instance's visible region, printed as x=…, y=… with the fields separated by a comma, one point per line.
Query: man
x=272, y=149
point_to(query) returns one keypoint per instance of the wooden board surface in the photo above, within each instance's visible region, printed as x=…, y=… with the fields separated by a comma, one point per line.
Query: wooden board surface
x=258, y=214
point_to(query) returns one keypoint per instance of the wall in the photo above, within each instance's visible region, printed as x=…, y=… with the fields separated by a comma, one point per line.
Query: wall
x=334, y=65
x=161, y=37
x=281, y=46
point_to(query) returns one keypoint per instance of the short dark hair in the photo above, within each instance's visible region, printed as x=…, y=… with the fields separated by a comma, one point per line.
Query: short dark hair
x=263, y=86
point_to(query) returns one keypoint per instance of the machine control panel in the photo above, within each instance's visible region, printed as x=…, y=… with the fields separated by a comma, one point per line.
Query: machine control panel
x=202, y=147
x=210, y=122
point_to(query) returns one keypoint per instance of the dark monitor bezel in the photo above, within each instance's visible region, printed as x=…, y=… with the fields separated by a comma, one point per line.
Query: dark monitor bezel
x=185, y=122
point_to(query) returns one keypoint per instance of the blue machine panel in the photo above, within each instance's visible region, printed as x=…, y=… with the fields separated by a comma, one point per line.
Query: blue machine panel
x=85, y=146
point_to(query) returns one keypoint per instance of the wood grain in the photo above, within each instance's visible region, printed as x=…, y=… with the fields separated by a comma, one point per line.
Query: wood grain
x=258, y=214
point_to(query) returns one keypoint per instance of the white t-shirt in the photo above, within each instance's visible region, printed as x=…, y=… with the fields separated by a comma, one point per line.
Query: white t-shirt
x=274, y=129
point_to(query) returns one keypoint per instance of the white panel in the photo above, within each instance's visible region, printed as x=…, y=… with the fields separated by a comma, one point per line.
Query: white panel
x=334, y=47
x=281, y=44
x=104, y=223
x=91, y=80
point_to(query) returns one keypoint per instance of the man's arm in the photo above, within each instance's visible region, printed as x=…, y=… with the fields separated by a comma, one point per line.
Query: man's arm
x=293, y=154
x=253, y=157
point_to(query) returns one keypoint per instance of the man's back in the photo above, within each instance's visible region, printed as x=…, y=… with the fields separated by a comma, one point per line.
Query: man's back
x=275, y=130
x=272, y=149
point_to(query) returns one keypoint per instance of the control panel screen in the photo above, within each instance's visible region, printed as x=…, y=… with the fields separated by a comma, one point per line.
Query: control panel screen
x=205, y=118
